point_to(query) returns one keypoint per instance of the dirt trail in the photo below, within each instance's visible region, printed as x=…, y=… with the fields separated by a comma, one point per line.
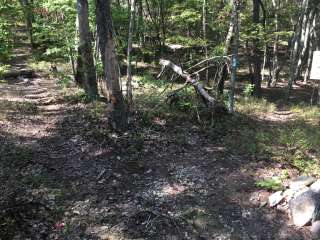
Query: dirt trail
x=65, y=176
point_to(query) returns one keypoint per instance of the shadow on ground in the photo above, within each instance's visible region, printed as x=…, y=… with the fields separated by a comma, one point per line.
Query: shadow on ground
x=81, y=181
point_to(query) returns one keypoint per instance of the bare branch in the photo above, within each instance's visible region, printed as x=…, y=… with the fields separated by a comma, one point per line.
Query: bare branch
x=190, y=81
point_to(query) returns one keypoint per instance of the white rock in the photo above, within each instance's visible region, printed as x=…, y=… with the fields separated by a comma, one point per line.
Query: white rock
x=315, y=186
x=301, y=182
x=315, y=228
x=288, y=194
x=275, y=198
x=303, y=207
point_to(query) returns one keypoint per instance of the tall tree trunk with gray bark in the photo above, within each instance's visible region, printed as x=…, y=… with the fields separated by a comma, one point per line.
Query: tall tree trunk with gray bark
x=86, y=74
x=129, y=68
x=256, y=58
x=118, y=114
x=275, y=62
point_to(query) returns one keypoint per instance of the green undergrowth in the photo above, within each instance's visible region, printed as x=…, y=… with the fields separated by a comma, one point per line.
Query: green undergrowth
x=39, y=65
x=254, y=107
x=294, y=142
x=95, y=109
x=270, y=184
x=74, y=96
x=157, y=101
x=3, y=70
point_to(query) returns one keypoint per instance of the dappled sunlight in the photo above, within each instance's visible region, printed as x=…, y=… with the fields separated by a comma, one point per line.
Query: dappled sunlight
x=172, y=190
x=169, y=161
x=255, y=107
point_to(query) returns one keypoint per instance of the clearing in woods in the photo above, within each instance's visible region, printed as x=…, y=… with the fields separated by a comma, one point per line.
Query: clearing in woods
x=64, y=175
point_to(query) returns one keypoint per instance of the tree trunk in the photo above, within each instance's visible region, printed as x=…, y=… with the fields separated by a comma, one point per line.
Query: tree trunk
x=275, y=62
x=313, y=39
x=140, y=23
x=27, y=7
x=309, y=62
x=163, y=25
x=204, y=31
x=228, y=37
x=224, y=74
x=234, y=55
x=304, y=43
x=265, y=48
x=295, y=46
x=86, y=74
x=129, y=68
x=256, y=58
x=110, y=64
x=249, y=59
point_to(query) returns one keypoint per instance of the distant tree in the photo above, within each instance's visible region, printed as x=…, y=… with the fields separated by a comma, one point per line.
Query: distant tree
x=304, y=37
x=27, y=6
x=256, y=58
x=275, y=63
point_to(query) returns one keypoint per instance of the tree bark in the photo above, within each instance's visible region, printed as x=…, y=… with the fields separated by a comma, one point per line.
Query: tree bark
x=140, y=23
x=27, y=7
x=265, y=48
x=304, y=43
x=256, y=58
x=129, y=68
x=295, y=45
x=275, y=62
x=162, y=20
x=228, y=37
x=204, y=31
x=110, y=64
x=86, y=74
x=234, y=55
x=312, y=43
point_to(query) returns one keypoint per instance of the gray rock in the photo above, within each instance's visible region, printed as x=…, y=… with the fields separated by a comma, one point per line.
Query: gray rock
x=315, y=186
x=300, y=182
x=305, y=208
x=275, y=198
x=315, y=229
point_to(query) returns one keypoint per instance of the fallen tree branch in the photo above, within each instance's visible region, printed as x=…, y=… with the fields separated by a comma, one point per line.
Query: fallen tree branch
x=198, y=86
x=216, y=58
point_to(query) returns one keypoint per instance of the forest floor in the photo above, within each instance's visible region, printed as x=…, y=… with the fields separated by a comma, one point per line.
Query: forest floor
x=65, y=175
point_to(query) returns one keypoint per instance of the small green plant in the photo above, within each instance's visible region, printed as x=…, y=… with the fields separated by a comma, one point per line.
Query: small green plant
x=64, y=81
x=148, y=79
x=3, y=69
x=37, y=65
x=97, y=109
x=252, y=148
x=79, y=96
x=270, y=184
x=248, y=90
x=251, y=106
x=218, y=50
x=285, y=174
